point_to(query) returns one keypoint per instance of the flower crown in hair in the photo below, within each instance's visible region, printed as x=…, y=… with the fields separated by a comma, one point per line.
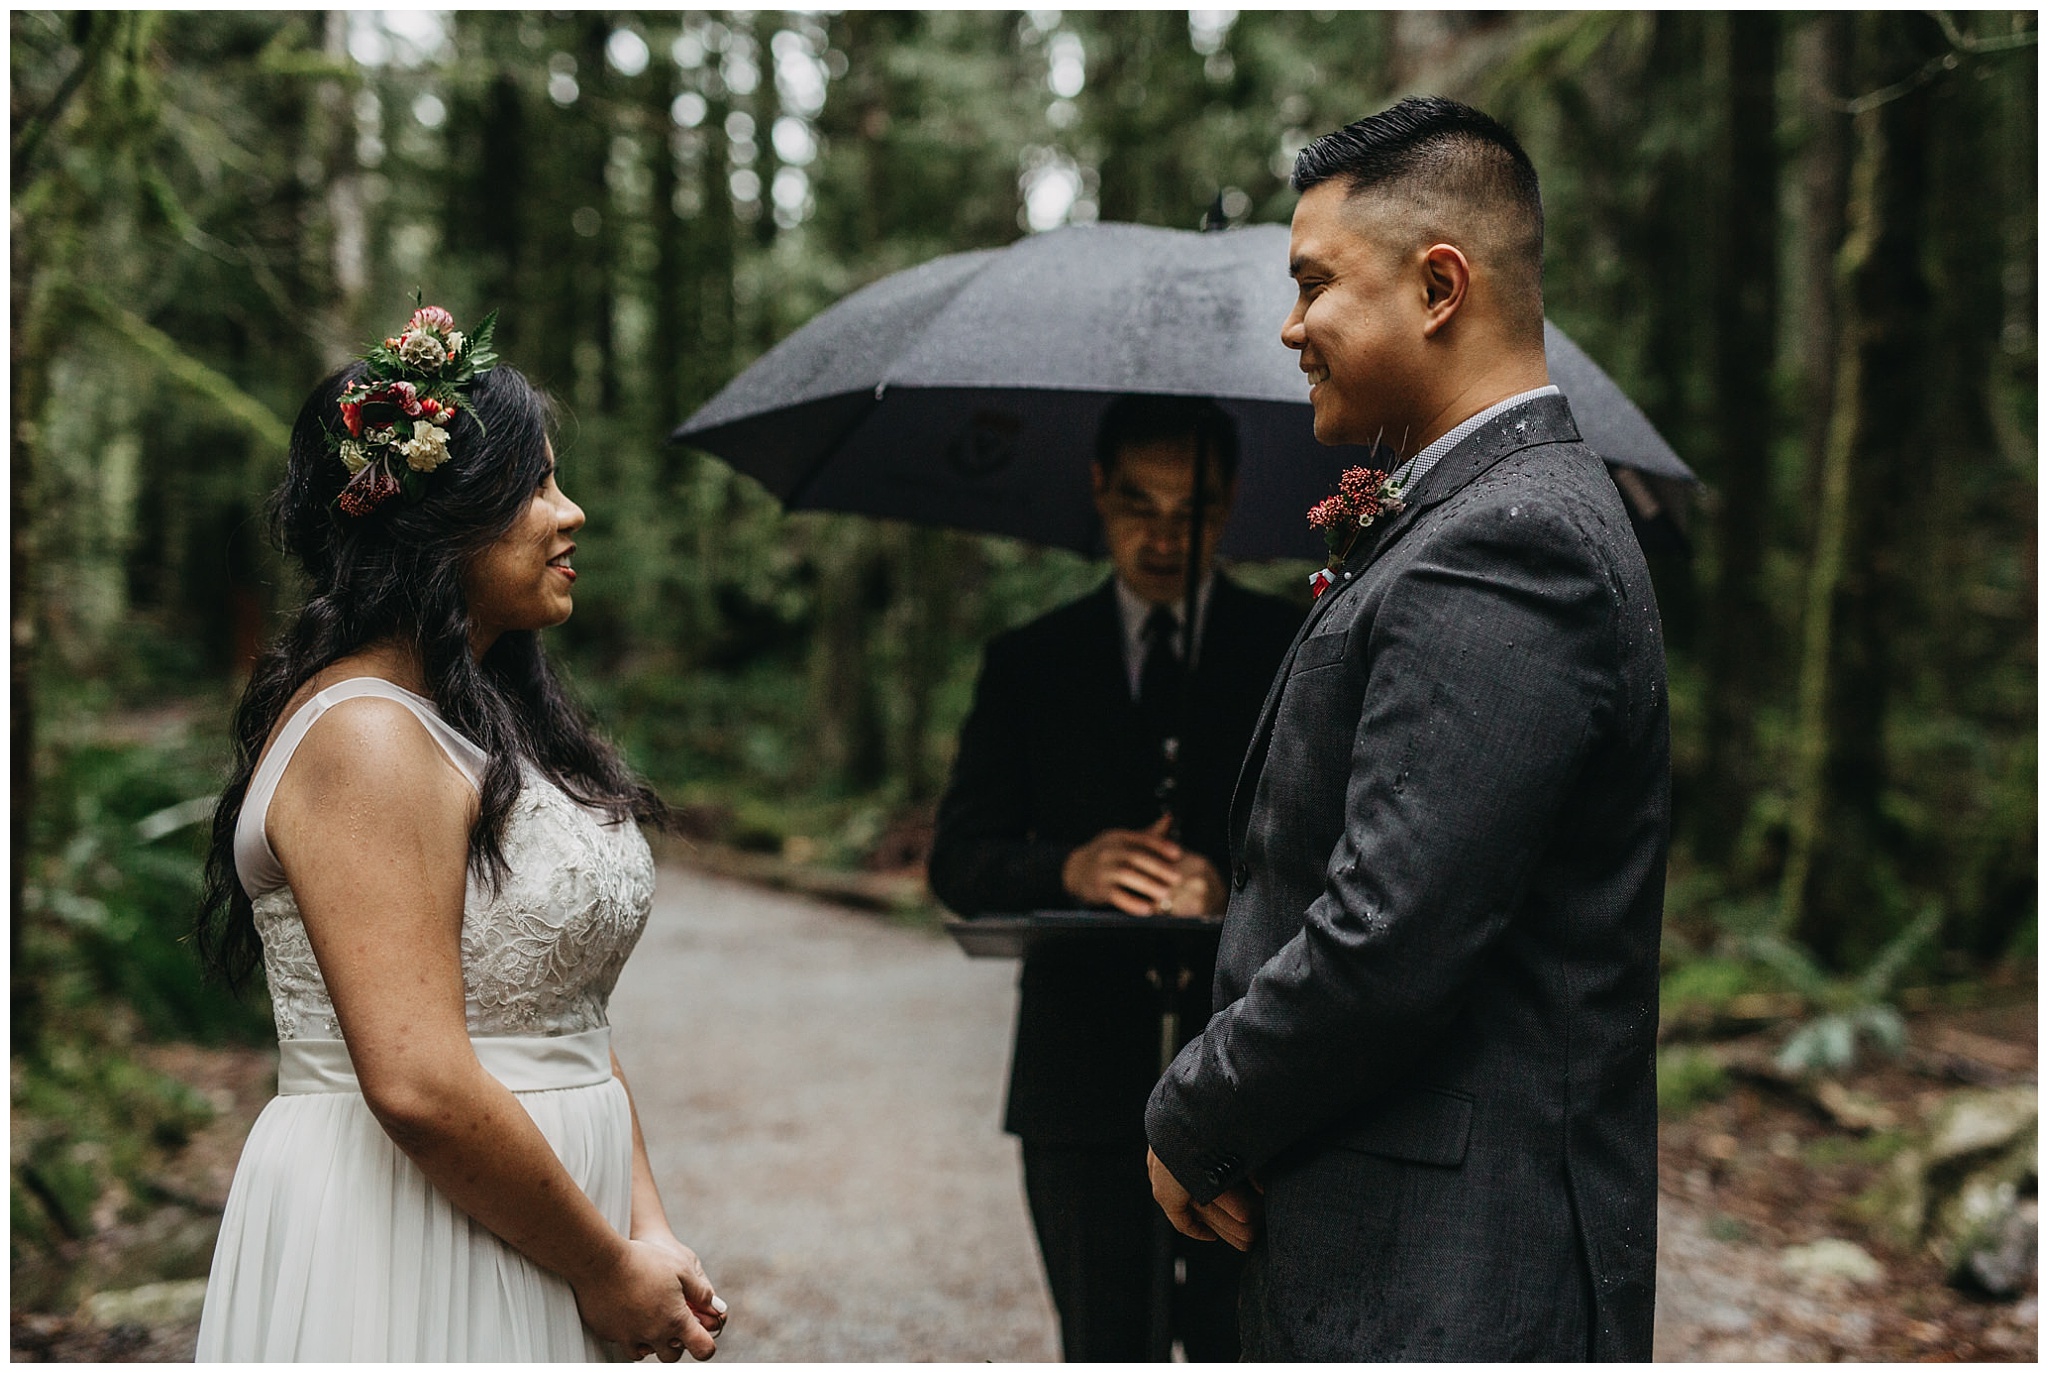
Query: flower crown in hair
x=398, y=416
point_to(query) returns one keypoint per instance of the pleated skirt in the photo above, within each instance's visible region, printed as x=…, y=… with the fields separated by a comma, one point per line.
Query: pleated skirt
x=334, y=1246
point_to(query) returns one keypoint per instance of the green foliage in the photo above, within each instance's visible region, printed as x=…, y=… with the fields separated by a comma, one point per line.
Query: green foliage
x=1702, y=988
x=110, y=886
x=90, y=1119
x=1686, y=1078
x=1849, y=1010
x=1828, y=1042
x=113, y=882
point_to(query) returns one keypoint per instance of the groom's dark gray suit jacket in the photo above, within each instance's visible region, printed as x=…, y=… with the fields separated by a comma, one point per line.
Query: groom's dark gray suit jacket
x=1437, y=986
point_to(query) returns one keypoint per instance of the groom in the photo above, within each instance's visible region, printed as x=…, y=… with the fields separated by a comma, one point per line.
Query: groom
x=1426, y=1102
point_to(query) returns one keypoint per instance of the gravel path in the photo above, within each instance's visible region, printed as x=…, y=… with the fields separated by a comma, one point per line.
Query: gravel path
x=822, y=1097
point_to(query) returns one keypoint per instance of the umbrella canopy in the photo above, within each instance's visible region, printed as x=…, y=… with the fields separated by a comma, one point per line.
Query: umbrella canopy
x=966, y=392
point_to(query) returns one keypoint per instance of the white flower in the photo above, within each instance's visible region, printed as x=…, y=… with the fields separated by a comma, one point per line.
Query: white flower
x=427, y=449
x=354, y=456
x=423, y=350
x=454, y=342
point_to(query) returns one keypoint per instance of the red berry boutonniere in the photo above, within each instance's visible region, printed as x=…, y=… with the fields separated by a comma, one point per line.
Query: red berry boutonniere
x=1363, y=495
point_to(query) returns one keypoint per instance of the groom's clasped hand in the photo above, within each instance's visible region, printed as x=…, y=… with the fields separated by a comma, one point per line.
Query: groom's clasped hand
x=1232, y=1215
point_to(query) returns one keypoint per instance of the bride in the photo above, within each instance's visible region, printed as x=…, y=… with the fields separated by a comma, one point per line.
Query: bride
x=436, y=861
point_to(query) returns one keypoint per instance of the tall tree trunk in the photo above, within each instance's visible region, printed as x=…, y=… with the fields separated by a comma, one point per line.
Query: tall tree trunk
x=42, y=258
x=1823, y=44
x=347, y=217
x=670, y=250
x=1835, y=891
x=600, y=250
x=1744, y=352
x=29, y=388
x=1673, y=298
x=503, y=219
x=853, y=590
x=930, y=584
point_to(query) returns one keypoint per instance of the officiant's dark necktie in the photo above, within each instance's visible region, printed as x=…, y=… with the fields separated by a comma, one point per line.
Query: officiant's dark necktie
x=1159, y=693
x=1159, y=678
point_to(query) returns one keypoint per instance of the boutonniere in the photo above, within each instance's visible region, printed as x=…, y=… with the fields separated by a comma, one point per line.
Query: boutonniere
x=1363, y=495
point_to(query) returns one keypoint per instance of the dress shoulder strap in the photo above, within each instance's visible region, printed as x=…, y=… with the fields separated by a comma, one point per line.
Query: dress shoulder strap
x=255, y=864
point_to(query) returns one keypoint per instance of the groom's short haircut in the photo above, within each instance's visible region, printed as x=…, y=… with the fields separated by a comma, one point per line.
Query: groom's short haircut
x=1136, y=418
x=1456, y=176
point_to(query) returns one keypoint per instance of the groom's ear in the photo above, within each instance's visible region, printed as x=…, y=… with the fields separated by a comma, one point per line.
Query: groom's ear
x=1446, y=277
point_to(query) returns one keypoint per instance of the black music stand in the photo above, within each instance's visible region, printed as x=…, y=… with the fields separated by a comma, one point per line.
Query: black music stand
x=1172, y=936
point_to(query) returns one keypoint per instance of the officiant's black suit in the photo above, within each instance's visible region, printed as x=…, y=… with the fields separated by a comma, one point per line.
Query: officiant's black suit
x=1437, y=985
x=1053, y=753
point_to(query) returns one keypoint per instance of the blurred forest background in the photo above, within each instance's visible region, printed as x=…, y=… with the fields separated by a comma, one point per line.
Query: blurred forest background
x=1805, y=243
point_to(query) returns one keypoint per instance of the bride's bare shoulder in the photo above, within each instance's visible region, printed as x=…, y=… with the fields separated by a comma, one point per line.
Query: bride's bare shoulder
x=372, y=662
x=368, y=746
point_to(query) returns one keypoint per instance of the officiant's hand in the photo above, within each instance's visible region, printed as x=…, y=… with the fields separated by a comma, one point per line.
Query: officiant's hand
x=1232, y=1217
x=1133, y=870
x=1197, y=888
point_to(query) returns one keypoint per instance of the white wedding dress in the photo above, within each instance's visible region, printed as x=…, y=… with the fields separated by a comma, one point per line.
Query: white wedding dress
x=334, y=1246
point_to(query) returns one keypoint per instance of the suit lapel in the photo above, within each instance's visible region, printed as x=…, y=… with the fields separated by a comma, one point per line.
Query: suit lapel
x=1547, y=419
x=1105, y=647
x=1255, y=756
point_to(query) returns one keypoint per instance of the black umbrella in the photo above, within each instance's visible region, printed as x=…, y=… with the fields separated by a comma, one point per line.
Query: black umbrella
x=966, y=392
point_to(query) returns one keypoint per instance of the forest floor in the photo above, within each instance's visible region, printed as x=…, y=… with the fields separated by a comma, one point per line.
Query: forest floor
x=821, y=1090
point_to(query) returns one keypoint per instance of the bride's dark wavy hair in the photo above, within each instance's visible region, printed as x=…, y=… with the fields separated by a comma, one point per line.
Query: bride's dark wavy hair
x=396, y=573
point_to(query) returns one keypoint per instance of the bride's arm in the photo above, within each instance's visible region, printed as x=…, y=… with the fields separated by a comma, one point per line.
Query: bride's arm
x=650, y=1217
x=371, y=824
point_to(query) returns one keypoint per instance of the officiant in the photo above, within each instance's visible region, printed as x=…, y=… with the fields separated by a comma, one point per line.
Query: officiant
x=1095, y=769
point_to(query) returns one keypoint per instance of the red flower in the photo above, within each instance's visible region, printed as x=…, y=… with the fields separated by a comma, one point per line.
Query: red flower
x=1360, y=487
x=367, y=490
x=402, y=394
x=352, y=416
x=1326, y=513
x=433, y=319
x=1361, y=498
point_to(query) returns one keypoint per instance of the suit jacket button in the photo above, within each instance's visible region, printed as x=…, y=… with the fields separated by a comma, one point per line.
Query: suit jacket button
x=1242, y=875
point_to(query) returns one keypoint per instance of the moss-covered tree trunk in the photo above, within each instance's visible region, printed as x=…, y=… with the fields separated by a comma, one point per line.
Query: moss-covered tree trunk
x=1839, y=893
x=1738, y=650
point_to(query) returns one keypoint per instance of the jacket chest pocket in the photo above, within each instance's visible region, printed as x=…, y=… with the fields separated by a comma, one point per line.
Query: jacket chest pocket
x=1319, y=651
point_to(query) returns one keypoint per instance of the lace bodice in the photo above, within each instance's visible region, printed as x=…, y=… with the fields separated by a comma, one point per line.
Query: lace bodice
x=540, y=955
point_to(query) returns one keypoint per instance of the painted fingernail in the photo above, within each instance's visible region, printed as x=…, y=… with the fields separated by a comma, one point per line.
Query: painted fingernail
x=718, y=1305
